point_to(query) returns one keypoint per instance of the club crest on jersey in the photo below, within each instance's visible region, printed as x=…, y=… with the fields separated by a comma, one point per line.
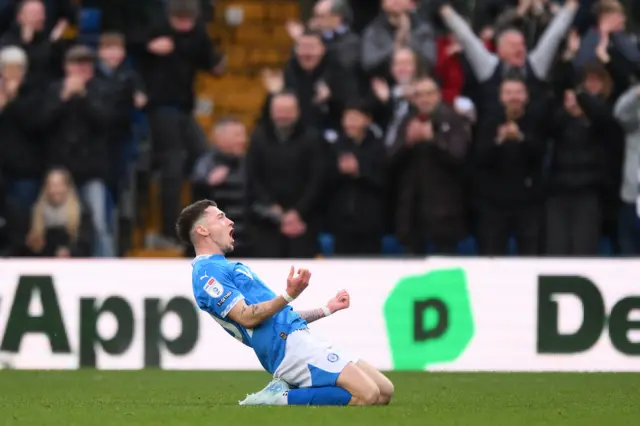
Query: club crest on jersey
x=213, y=288
x=333, y=357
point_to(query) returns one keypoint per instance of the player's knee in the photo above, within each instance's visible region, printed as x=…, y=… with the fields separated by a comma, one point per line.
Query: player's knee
x=370, y=396
x=386, y=393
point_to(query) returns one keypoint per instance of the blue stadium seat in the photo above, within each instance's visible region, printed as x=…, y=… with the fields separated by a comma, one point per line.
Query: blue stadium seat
x=391, y=246
x=606, y=247
x=467, y=247
x=326, y=242
x=90, y=21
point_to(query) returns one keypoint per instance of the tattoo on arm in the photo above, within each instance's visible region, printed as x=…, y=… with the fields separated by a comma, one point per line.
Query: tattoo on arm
x=311, y=315
x=255, y=309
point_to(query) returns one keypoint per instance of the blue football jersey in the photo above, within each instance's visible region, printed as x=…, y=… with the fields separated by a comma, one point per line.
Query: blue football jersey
x=218, y=285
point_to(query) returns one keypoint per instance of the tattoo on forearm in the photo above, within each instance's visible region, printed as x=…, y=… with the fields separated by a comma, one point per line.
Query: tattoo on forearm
x=255, y=309
x=311, y=315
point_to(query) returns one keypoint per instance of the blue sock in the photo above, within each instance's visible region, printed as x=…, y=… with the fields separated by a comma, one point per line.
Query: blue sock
x=319, y=396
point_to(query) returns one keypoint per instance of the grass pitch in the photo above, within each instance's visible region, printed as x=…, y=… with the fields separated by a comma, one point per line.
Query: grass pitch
x=156, y=398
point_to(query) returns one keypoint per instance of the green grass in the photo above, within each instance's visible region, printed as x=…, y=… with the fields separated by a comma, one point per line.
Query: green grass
x=156, y=398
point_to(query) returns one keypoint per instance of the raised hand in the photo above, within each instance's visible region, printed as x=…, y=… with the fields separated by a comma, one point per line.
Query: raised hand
x=297, y=282
x=339, y=302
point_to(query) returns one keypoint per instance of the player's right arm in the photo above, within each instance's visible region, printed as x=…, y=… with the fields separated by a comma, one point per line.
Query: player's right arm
x=251, y=316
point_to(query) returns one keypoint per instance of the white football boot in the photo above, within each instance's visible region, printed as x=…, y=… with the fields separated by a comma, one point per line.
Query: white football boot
x=275, y=393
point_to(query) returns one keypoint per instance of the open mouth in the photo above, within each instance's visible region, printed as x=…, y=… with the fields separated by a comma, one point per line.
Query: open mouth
x=231, y=233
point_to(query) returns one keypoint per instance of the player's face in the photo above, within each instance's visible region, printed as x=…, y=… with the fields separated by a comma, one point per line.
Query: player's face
x=219, y=228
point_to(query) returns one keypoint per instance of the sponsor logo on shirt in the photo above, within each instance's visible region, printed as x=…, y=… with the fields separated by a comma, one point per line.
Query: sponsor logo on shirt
x=224, y=298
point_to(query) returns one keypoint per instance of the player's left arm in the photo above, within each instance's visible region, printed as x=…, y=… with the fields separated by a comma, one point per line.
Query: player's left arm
x=339, y=302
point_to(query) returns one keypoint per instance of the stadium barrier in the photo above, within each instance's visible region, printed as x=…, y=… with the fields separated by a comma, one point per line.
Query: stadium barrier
x=436, y=314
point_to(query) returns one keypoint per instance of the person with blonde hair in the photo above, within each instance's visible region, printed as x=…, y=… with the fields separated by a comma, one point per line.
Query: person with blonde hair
x=60, y=226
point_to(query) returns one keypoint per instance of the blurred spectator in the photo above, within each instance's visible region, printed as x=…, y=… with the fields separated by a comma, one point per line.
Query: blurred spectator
x=60, y=227
x=220, y=174
x=508, y=180
x=486, y=13
x=21, y=149
x=285, y=169
x=42, y=48
x=392, y=102
x=10, y=220
x=76, y=117
x=332, y=18
x=126, y=90
x=430, y=151
x=627, y=111
x=60, y=14
x=319, y=81
x=512, y=56
x=449, y=69
x=356, y=185
x=177, y=48
x=580, y=131
x=608, y=42
x=395, y=27
x=531, y=17
x=134, y=18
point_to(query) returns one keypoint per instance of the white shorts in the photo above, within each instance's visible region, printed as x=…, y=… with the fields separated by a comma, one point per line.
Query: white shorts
x=310, y=362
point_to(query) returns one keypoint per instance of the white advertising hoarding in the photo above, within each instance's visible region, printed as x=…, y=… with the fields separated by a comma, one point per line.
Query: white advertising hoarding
x=435, y=314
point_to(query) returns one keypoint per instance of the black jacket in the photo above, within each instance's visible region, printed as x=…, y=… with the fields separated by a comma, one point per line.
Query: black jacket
x=580, y=144
x=431, y=193
x=54, y=9
x=77, y=130
x=22, y=152
x=45, y=57
x=355, y=203
x=169, y=79
x=123, y=83
x=340, y=81
x=287, y=172
x=13, y=223
x=510, y=174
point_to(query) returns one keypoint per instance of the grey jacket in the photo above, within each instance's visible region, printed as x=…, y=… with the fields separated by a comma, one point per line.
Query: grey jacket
x=378, y=43
x=484, y=63
x=627, y=112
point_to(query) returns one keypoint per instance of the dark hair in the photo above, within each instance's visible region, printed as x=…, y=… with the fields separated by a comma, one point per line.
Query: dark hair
x=189, y=216
x=189, y=8
x=599, y=71
x=514, y=75
x=283, y=93
x=80, y=54
x=357, y=104
x=308, y=32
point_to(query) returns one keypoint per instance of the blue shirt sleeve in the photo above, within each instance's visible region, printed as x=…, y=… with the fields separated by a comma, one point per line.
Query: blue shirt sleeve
x=218, y=294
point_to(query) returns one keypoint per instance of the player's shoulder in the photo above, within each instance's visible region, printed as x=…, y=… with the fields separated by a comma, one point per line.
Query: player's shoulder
x=205, y=267
x=243, y=271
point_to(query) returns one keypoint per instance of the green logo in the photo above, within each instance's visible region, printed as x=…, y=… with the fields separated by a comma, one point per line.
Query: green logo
x=429, y=319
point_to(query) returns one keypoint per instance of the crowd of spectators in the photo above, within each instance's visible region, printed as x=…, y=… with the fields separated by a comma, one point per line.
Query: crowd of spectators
x=66, y=116
x=509, y=127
